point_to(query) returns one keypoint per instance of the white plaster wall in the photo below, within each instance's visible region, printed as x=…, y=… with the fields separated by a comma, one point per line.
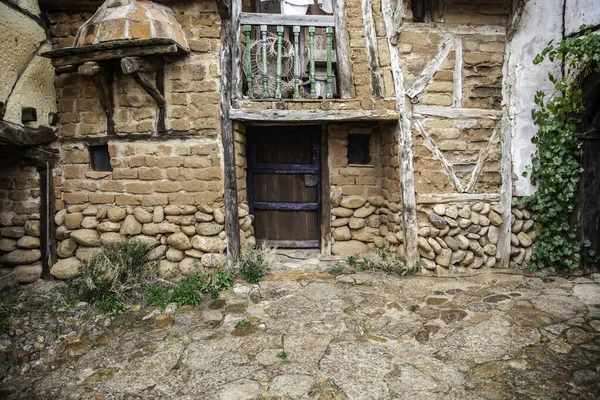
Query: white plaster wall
x=579, y=12
x=541, y=21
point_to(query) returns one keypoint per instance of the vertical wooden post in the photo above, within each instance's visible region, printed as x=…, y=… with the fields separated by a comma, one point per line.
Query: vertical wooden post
x=506, y=190
x=372, y=51
x=263, y=52
x=47, y=231
x=236, y=49
x=329, y=36
x=279, y=55
x=311, y=61
x=404, y=137
x=229, y=28
x=248, y=60
x=325, y=193
x=342, y=46
x=296, y=30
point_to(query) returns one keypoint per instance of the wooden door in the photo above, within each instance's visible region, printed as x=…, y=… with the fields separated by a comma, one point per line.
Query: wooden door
x=284, y=184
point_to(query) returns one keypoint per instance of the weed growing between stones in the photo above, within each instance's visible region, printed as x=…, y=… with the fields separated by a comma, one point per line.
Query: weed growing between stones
x=243, y=324
x=253, y=264
x=283, y=356
x=384, y=259
x=189, y=290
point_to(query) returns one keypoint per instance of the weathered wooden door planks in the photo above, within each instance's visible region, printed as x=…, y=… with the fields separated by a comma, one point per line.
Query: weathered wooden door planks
x=284, y=184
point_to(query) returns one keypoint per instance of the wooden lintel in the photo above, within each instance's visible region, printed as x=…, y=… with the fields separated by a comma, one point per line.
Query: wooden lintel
x=454, y=113
x=456, y=198
x=318, y=21
x=149, y=88
x=312, y=115
x=19, y=135
x=101, y=54
x=40, y=157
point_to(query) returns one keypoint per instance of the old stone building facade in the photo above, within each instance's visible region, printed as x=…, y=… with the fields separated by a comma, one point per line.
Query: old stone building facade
x=155, y=135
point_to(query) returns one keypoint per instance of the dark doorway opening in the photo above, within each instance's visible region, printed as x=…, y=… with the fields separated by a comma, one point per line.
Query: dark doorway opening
x=589, y=184
x=284, y=184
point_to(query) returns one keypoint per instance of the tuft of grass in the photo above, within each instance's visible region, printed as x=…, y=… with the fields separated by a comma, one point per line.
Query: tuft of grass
x=243, y=324
x=253, y=264
x=385, y=259
x=189, y=290
x=337, y=269
x=113, y=277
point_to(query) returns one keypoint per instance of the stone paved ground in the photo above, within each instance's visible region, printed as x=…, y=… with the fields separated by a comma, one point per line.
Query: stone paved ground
x=363, y=336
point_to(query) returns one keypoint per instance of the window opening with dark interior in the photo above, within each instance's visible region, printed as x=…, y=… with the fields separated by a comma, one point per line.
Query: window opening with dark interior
x=358, y=149
x=100, y=158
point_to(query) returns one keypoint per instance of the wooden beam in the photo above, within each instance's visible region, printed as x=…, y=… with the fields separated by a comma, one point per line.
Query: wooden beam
x=236, y=50
x=28, y=114
x=404, y=138
x=431, y=145
x=40, y=156
x=325, y=193
x=423, y=80
x=313, y=115
x=483, y=155
x=506, y=162
x=149, y=88
x=47, y=229
x=318, y=21
x=456, y=198
x=232, y=227
x=454, y=113
x=224, y=7
x=102, y=79
x=456, y=29
x=371, y=47
x=398, y=21
x=19, y=135
x=110, y=51
x=342, y=47
x=457, y=82
x=129, y=65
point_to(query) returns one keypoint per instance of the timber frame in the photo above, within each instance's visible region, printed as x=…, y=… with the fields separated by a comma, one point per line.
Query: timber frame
x=136, y=57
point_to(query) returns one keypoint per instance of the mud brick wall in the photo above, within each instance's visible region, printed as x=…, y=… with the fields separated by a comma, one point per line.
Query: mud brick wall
x=19, y=222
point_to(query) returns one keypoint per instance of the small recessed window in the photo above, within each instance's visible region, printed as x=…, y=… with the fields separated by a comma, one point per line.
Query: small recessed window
x=100, y=159
x=358, y=149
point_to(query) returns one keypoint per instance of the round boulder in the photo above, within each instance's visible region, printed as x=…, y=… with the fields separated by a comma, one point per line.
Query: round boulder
x=21, y=257
x=86, y=237
x=28, y=273
x=66, y=269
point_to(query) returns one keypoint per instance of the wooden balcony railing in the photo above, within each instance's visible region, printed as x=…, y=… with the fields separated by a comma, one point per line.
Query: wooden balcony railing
x=288, y=56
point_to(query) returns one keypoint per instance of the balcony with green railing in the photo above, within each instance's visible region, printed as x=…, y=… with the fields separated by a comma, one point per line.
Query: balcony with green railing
x=288, y=57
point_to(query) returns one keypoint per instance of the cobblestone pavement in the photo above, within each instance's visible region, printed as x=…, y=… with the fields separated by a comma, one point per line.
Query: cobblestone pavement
x=317, y=336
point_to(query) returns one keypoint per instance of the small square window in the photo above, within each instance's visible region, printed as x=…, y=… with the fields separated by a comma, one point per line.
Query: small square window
x=358, y=149
x=100, y=159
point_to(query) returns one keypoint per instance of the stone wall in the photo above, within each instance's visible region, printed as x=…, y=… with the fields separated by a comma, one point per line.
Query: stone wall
x=458, y=238
x=362, y=215
x=186, y=239
x=19, y=222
